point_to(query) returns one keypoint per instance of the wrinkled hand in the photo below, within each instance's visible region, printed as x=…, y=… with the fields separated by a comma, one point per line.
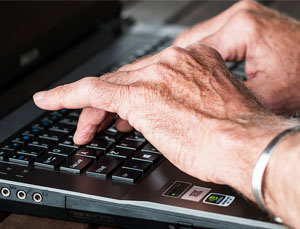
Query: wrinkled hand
x=185, y=102
x=267, y=40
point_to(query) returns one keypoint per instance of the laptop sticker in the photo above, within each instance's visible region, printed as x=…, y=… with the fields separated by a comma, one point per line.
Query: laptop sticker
x=219, y=199
x=195, y=193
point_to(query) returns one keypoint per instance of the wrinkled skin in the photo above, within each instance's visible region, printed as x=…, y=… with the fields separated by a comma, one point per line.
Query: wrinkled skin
x=184, y=101
x=269, y=43
x=188, y=105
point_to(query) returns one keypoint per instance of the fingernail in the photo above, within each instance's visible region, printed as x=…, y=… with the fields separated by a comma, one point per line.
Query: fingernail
x=39, y=96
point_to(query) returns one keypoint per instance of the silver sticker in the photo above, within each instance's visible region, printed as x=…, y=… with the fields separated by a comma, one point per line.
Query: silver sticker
x=195, y=193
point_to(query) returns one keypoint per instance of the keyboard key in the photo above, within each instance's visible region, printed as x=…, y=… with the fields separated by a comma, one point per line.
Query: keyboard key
x=32, y=151
x=126, y=175
x=48, y=120
x=100, y=144
x=61, y=127
x=109, y=136
x=62, y=151
x=76, y=164
x=89, y=152
x=41, y=125
x=120, y=152
x=70, y=120
x=145, y=156
x=68, y=142
x=32, y=132
x=142, y=166
x=104, y=167
x=75, y=113
x=13, y=169
x=150, y=148
x=23, y=139
x=4, y=154
x=112, y=129
x=128, y=144
x=42, y=142
x=21, y=159
x=49, y=161
x=57, y=113
x=12, y=146
x=135, y=136
x=54, y=135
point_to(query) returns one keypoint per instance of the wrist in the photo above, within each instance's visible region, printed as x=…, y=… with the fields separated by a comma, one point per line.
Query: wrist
x=246, y=148
x=282, y=175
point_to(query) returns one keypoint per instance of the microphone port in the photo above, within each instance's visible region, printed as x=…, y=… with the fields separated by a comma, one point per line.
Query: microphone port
x=21, y=195
x=37, y=197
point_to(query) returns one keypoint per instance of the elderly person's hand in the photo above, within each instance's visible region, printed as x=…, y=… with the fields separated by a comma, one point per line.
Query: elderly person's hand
x=269, y=43
x=187, y=104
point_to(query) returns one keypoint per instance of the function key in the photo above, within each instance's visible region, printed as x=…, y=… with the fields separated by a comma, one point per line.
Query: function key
x=150, y=148
x=22, y=139
x=119, y=152
x=89, y=152
x=32, y=151
x=104, y=167
x=76, y=164
x=4, y=154
x=62, y=151
x=61, y=127
x=100, y=144
x=126, y=175
x=142, y=166
x=128, y=144
x=146, y=156
x=12, y=146
x=53, y=135
x=21, y=159
x=49, y=161
x=42, y=142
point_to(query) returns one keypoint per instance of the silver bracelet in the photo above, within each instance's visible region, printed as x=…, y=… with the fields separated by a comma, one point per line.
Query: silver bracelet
x=261, y=164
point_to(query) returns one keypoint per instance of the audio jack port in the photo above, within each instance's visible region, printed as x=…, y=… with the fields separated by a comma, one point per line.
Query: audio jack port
x=37, y=197
x=21, y=195
x=5, y=192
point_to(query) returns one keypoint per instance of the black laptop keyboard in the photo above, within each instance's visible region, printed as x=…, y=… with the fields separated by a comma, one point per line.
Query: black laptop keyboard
x=48, y=143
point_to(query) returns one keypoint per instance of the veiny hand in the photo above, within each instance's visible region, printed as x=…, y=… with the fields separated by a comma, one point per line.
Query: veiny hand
x=185, y=102
x=267, y=40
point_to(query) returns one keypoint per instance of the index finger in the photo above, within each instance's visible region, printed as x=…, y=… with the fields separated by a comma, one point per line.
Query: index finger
x=87, y=92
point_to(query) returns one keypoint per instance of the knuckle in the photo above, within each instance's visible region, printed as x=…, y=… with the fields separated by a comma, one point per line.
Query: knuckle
x=91, y=85
x=248, y=20
x=62, y=92
x=174, y=51
x=247, y=4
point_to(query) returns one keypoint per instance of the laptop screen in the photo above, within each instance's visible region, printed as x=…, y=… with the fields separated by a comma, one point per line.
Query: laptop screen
x=34, y=30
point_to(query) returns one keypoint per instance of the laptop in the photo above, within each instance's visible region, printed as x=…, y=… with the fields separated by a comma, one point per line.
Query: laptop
x=117, y=179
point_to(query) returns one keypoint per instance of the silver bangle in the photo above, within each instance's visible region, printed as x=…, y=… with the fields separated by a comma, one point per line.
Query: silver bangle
x=261, y=164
